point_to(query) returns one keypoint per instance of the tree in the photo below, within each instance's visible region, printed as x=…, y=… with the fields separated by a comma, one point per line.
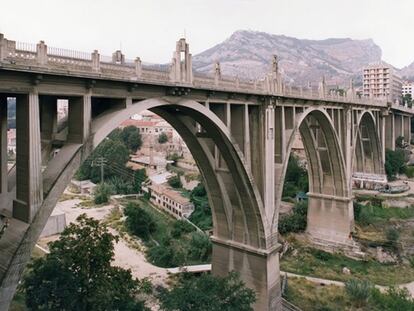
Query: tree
x=296, y=178
x=134, y=141
x=394, y=162
x=208, y=293
x=139, y=221
x=162, y=138
x=399, y=142
x=102, y=193
x=295, y=222
x=175, y=181
x=77, y=274
x=139, y=177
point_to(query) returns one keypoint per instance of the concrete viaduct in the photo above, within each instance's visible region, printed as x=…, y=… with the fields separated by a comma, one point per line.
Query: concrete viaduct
x=239, y=132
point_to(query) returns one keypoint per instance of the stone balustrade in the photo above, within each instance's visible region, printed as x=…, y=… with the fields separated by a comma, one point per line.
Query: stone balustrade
x=116, y=66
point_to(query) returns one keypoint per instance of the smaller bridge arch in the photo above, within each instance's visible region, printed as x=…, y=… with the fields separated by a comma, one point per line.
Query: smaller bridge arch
x=330, y=213
x=368, y=150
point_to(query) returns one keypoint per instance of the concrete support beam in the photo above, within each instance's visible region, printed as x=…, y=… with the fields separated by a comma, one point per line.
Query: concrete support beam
x=29, y=190
x=79, y=119
x=247, y=153
x=269, y=161
x=48, y=117
x=259, y=269
x=3, y=145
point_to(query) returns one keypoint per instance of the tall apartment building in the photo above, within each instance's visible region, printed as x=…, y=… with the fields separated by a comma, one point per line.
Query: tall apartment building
x=408, y=88
x=381, y=81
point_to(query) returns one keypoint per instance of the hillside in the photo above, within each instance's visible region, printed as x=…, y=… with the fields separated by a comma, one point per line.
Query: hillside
x=248, y=54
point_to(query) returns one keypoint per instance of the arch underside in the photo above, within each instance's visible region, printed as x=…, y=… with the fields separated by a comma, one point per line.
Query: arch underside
x=330, y=215
x=368, y=151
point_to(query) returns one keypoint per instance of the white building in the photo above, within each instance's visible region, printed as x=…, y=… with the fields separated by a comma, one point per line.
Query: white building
x=171, y=201
x=408, y=88
x=381, y=81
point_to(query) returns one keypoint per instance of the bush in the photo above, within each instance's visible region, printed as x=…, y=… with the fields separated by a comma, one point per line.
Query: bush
x=394, y=162
x=139, y=221
x=181, y=227
x=208, y=292
x=394, y=299
x=200, y=247
x=295, y=222
x=359, y=291
x=409, y=171
x=102, y=193
x=175, y=181
x=162, y=138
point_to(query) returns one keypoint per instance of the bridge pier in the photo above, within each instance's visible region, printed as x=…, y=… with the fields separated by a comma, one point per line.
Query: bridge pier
x=330, y=219
x=29, y=190
x=258, y=268
x=3, y=147
x=79, y=121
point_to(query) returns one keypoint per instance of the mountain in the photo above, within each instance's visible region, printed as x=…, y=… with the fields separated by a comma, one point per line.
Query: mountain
x=248, y=54
x=407, y=72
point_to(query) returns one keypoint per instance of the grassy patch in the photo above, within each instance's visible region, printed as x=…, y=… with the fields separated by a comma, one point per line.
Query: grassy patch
x=311, y=296
x=312, y=262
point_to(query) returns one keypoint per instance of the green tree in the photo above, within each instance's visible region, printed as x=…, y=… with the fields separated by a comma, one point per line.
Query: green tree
x=175, y=181
x=296, y=178
x=208, y=293
x=102, y=193
x=295, y=222
x=116, y=154
x=139, y=221
x=201, y=216
x=162, y=138
x=77, y=274
x=394, y=162
x=200, y=247
x=181, y=227
x=139, y=177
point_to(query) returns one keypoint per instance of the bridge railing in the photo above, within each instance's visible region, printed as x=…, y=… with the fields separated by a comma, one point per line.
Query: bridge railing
x=41, y=55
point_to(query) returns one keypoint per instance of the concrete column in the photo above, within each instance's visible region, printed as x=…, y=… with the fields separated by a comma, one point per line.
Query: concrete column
x=79, y=119
x=383, y=134
x=269, y=163
x=3, y=145
x=258, y=268
x=48, y=117
x=348, y=144
x=29, y=184
x=247, y=154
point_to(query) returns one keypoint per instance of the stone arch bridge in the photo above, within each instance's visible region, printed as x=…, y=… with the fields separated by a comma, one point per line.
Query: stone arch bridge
x=240, y=133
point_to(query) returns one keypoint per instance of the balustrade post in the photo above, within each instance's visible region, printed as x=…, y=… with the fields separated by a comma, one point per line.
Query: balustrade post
x=138, y=67
x=2, y=47
x=41, y=53
x=96, y=62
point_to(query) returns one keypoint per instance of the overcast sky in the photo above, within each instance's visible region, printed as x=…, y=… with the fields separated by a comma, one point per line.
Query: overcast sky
x=149, y=28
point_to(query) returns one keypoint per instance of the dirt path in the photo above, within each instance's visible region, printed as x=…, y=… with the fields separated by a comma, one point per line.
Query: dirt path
x=125, y=256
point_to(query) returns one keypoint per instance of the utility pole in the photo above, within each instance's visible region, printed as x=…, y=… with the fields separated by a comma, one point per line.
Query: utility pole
x=100, y=162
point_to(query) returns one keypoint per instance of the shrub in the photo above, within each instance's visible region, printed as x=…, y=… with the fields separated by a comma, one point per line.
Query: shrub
x=208, y=292
x=162, y=138
x=409, y=171
x=297, y=221
x=175, y=181
x=102, y=193
x=394, y=299
x=359, y=291
x=181, y=227
x=139, y=221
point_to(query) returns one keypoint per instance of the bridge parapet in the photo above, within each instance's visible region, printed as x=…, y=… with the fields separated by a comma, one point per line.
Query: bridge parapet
x=40, y=57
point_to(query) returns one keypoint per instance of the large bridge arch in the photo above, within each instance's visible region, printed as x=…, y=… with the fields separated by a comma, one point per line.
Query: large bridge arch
x=241, y=239
x=330, y=213
x=368, y=151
